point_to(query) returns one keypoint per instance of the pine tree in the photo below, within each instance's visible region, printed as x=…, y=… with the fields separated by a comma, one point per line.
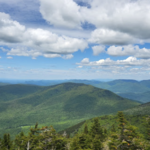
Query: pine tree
x=96, y=130
x=148, y=128
x=6, y=142
x=113, y=129
x=128, y=138
x=21, y=141
x=86, y=129
x=75, y=144
x=97, y=144
x=122, y=123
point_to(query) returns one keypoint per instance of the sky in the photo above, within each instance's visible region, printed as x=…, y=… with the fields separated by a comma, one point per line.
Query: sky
x=75, y=39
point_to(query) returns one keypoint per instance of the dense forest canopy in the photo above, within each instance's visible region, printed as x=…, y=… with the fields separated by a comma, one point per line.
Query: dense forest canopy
x=122, y=136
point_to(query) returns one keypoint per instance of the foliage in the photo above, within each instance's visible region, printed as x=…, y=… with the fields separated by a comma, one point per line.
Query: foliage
x=61, y=105
x=95, y=137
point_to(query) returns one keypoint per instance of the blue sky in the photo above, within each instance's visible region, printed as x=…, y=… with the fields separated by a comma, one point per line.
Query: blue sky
x=75, y=39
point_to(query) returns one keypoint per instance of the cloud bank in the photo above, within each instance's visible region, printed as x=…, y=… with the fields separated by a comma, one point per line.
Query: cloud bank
x=36, y=42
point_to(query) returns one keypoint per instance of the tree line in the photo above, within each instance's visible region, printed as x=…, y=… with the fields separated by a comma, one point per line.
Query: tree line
x=123, y=137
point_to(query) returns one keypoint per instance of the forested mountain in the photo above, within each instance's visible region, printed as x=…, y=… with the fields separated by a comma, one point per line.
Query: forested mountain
x=124, y=86
x=136, y=116
x=61, y=105
x=111, y=132
x=131, y=89
x=143, y=109
x=141, y=97
x=14, y=91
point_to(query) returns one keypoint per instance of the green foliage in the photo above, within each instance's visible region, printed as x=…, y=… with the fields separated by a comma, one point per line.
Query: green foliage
x=61, y=105
x=89, y=140
x=147, y=128
x=125, y=137
x=6, y=143
x=128, y=138
x=141, y=97
x=143, y=109
x=86, y=129
x=96, y=130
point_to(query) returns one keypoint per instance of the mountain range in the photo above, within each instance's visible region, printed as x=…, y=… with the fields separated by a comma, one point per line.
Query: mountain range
x=131, y=89
x=62, y=105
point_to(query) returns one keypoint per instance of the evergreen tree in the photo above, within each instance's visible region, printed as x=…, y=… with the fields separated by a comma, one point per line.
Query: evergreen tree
x=96, y=130
x=97, y=144
x=6, y=142
x=128, y=139
x=122, y=123
x=21, y=141
x=86, y=129
x=75, y=144
x=113, y=129
x=148, y=128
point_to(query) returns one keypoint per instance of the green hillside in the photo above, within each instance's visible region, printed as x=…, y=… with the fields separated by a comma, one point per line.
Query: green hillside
x=2, y=84
x=135, y=116
x=14, y=91
x=143, y=109
x=141, y=97
x=61, y=105
x=124, y=86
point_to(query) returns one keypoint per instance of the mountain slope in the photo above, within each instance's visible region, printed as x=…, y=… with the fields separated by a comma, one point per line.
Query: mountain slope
x=141, y=97
x=143, y=109
x=61, y=106
x=137, y=116
x=11, y=92
x=124, y=86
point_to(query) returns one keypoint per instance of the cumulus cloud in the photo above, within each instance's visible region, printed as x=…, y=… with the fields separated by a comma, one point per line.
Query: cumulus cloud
x=9, y=57
x=60, y=13
x=107, y=36
x=98, y=49
x=36, y=42
x=130, y=61
x=80, y=67
x=11, y=31
x=117, y=22
x=69, y=56
x=129, y=50
x=85, y=61
x=130, y=67
x=52, y=43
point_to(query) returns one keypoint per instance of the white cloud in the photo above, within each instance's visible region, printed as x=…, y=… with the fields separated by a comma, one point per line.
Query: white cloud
x=61, y=13
x=131, y=17
x=107, y=36
x=98, y=49
x=129, y=50
x=69, y=56
x=130, y=67
x=0, y=57
x=9, y=57
x=85, y=61
x=36, y=42
x=130, y=61
x=11, y=31
x=51, y=55
x=80, y=67
x=117, y=22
